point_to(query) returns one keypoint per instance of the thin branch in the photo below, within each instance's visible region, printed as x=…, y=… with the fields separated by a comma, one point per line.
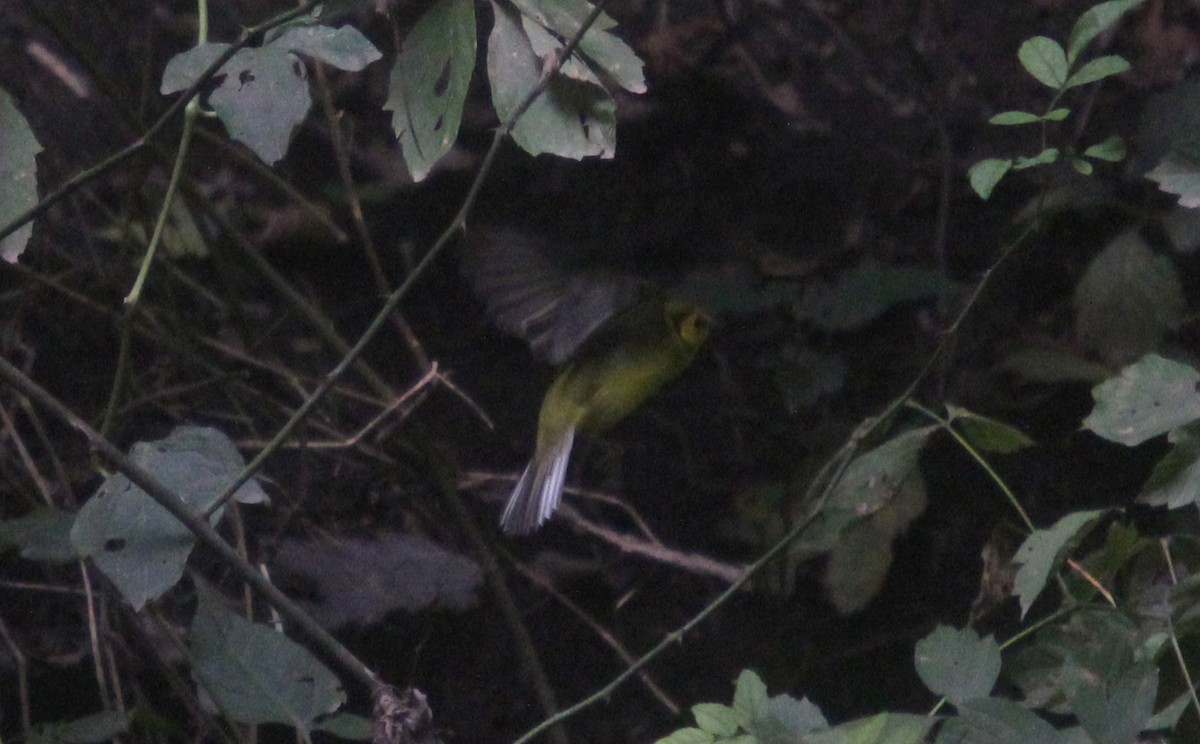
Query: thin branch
x=198, y=526
x=70, y=185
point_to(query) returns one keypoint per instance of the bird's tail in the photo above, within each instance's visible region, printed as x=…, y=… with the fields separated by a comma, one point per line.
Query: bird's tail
x=538, y=492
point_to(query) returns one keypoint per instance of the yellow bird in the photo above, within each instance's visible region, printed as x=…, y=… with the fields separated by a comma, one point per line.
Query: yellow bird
x=618, y=341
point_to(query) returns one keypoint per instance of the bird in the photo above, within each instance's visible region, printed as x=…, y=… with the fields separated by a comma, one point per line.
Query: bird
x=616, y=340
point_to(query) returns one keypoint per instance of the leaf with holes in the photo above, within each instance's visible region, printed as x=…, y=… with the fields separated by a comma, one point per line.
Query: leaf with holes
x=134, y=540
x=606, y=51
x=570, y=119
x=1151, y=397
x=429, y=83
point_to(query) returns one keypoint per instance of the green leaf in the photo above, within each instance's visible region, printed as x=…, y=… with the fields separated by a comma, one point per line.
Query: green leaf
x=1117, y=715
x=1094, y=21
x=1179, y=173
x=1169, y=716
x=545, y=44
x=1010, y=118
x=1039, y=554
x=1095, y=646
x=884, y=491
x=718, y=720
x=18, y=175
x=863, y=293
x=688, y=736
x=1151, y=397
x=958, y=664
x=344, y=48
x=795, y=717
x=1057, y=114
x=1097, y=69
x=1039, y=364
x=44, y=534
x=1080, y=165
x=135, y=541
x=987, y=434
x=750, y=696
x=1175, y=480
x=185, y=68
x=1045, y=157
x=262, y=96
x=345, y=726
x=605, y=50
x=429, y=83
x=570, y=119
x=985, y=174
x=1128, y=300
x=1045, y=60
x=254, y=674
x=98, y=727
x=882, y=728
x=996, y=721
x=1111, y=150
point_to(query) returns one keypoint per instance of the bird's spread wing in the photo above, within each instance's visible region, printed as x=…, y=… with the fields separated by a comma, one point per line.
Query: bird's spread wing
x=531, y=296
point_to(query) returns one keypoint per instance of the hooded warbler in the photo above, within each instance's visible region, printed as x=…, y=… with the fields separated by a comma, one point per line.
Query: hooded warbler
x=616, y=340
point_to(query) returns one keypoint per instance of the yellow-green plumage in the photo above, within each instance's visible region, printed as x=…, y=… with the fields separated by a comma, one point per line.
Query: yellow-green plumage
x=612, y=373
x=615, y=338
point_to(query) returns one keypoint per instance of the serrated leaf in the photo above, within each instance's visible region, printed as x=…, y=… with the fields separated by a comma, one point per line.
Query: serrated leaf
x=344, y=48
x=570, y=119
x=135, y=541
x=255, y=674
x=1038, y=555
x=1045, y=60
x=996, y=721
x=1149, y=398
x=987, y=434
x=1011, y=118
x=18, y=175
x=1179, y=173
x=1128, y=300
x=985, y=174
x=604, y=49
x=98, y=727
x=41, y=535
x=750, y=696
x=1111, y=150
x=882, y=728
x=1045, y=157
x=545, y=43
x=1097, y=69
x=1094, y=21
x=796, y=717
x=718, y=720
x=429, y=83
x=1175, y=480
x=688, y=736
x=1117, y=712
x=958, y=664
